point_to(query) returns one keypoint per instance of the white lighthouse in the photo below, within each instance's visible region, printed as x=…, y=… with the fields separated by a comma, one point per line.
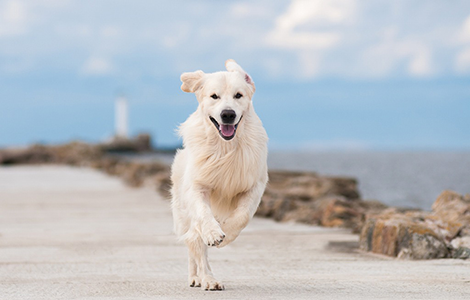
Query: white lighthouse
x=121, y=118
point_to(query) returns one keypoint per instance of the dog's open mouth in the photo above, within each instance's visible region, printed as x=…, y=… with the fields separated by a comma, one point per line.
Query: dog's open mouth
x=227, y=132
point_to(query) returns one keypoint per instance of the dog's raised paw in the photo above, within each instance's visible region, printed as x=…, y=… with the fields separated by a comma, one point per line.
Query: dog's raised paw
x=213, y=237
x=209, y=283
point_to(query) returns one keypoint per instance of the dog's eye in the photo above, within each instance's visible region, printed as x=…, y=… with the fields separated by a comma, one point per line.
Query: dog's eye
x=238, y=96
x=214, y=96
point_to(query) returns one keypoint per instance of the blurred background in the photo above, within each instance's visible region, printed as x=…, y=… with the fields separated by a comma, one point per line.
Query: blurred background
x=357, y=87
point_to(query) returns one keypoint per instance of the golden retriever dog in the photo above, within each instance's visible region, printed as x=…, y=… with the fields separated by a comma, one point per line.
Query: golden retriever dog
x=220, y=174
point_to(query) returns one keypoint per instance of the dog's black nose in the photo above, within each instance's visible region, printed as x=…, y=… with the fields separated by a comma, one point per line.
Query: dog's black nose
x=228, y=116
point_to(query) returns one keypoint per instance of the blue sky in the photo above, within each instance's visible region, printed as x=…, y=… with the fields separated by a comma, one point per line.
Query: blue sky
x=336, y=74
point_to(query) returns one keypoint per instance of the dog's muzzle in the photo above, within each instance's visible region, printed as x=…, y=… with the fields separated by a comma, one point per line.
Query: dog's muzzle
x=226, y=131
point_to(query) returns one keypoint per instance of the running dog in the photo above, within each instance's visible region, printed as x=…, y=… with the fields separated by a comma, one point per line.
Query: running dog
x=219, y=176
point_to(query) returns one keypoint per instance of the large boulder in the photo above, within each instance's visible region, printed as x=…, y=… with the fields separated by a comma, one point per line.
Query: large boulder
x=401, y=234
x=421, y=235
x=452, y=207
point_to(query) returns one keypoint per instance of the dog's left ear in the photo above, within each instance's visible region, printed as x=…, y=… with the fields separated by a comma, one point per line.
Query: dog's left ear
x=232, y=66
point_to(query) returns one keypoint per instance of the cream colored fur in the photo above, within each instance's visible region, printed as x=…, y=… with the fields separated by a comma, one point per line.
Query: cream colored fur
x=217, y=184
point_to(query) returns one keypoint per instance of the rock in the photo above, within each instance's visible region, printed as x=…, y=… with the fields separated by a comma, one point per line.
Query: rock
x=461, y=247
x=445, y=230
x=309, y=198
x=421, y=235
x=274, y=205
x=461, y=253
x=95, y=156
x=33, y=155
x=451, y=207
x=465, y=230
x=339, y=212
x=135, y=173
x=307, y=185
x=76, y=154
x=403, y=235
x=163, y=184
x=461, y=242
x=141, y=143
x=418, y=242
x=451, y=215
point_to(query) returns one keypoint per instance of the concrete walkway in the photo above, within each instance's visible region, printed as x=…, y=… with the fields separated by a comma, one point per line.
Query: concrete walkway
x=71, y=233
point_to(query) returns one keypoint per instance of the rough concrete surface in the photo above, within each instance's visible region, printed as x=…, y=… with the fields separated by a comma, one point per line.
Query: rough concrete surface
x=72, y=233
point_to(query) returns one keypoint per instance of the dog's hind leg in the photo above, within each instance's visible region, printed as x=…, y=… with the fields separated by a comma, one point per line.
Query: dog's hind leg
x=200, y=273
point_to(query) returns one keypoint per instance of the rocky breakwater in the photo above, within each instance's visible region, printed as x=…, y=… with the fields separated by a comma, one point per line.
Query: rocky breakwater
x=442, y=233
x=313, y=199
x=98, y=156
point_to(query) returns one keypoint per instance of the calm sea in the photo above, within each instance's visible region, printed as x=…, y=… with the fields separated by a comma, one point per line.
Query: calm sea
x=406, y=179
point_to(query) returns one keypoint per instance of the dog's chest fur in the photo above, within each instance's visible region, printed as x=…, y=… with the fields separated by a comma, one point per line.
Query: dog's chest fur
x=229, y=174
x=227, y=169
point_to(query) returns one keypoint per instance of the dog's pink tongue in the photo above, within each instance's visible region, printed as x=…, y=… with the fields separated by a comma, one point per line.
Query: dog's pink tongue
x=227, y=130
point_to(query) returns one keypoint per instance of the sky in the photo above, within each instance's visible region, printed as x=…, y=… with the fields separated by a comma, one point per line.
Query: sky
x=330, y=74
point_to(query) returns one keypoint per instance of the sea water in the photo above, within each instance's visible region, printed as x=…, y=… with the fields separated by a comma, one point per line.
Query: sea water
x=405, y=179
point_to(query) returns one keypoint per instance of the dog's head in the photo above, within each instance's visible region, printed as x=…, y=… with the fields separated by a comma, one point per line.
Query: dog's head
x=224, y=97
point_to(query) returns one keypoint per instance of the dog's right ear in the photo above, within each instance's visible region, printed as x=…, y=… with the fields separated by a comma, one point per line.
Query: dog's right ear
x=192, y=81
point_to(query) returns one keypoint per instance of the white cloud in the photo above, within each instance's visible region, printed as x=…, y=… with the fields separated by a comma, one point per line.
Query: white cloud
x=462, y=57
x=309, y=28
x=388, y=55
x=421, y=62
x=465, y=31
x=316, y=13
x=97, y=66
x=299, y=38
x=462, y=61
x=371, y=38
x=304, y=40
x=13, y=18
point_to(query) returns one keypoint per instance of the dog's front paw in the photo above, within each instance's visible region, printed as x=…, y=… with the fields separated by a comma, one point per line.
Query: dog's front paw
x=213, y=235
x=209, y=283
x=227, y=240
x=230, y=236
x=194, y=281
